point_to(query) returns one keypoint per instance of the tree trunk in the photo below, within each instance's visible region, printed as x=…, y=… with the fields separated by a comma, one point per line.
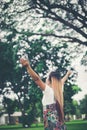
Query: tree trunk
x=9, y=118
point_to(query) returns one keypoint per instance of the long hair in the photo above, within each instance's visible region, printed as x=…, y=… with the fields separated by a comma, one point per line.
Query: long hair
x=56, y=82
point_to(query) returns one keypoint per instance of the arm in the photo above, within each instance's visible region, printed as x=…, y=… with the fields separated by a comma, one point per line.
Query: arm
x=32, y=73
x=66, y=76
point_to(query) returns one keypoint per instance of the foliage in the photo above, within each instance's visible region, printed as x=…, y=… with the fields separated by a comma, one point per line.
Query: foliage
x=6, y=62
x=83, y=106
x=43, y=57
x=9, y=106
x=76, y=110
x=34, y=18
x=84, y=60
x=73, y=18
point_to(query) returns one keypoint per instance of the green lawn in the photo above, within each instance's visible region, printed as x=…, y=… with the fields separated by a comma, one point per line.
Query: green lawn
x=72, y=125
x=77, y=125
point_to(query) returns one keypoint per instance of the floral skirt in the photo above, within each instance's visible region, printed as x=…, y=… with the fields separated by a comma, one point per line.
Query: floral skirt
x=51, y=118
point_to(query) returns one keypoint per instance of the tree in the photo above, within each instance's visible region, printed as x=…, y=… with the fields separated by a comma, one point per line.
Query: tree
x=9, y=106
x=18, y=39
x=39, y=50
x=84, y=60
x=33, y=18
x=43, y=56
x=69, y=106
x=6, y=64
x=83, y=106
x=76, y=110
x=73, y=20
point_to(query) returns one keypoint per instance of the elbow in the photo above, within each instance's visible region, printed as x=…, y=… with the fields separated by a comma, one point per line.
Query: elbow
x=36, y=78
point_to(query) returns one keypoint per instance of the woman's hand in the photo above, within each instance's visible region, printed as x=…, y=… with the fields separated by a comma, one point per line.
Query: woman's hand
x=69, y=72
x=24, y=62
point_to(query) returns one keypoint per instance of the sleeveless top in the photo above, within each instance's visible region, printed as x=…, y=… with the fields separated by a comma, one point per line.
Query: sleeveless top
x=48, y=96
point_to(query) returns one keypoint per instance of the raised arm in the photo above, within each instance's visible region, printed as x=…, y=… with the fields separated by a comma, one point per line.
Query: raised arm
x=66, y=76
x=32, y=73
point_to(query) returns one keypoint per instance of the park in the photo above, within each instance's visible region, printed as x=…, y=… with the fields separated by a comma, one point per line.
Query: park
x=51, y=35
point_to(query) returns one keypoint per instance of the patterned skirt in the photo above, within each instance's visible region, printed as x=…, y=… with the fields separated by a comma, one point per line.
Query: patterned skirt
x=51, y=118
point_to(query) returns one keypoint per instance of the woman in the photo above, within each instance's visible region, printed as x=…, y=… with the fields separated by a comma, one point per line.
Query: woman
x=52, y=100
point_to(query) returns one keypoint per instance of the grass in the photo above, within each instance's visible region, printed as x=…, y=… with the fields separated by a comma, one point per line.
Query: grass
x=77, y=125
x=72, y=125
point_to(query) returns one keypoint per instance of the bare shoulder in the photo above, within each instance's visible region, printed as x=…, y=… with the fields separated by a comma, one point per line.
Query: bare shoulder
x=41, y=84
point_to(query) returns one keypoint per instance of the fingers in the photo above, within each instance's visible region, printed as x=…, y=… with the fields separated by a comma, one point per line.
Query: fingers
x=24, y=62
x=69, y=72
